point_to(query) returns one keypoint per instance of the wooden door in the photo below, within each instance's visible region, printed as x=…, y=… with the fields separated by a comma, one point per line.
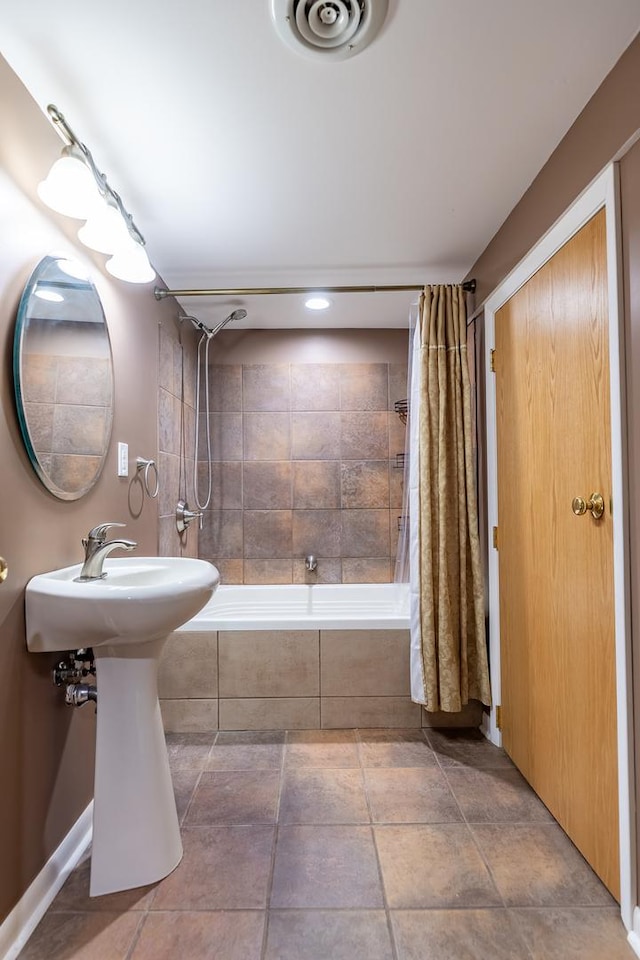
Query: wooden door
x=556, y=568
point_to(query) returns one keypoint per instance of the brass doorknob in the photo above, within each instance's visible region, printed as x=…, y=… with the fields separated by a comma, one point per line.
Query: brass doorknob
x=595, y=504
x=4, y=569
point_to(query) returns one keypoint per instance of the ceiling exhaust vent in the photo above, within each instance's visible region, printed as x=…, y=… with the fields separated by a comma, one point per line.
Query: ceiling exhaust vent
x=332, y=29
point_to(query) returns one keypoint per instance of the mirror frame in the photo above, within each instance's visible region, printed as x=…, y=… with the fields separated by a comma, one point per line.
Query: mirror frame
x=21, y=329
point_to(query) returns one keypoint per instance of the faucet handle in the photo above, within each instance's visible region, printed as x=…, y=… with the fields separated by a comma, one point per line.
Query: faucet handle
x=100, y=532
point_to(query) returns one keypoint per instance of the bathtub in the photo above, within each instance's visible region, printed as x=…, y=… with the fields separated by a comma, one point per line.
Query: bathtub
x=342, y=606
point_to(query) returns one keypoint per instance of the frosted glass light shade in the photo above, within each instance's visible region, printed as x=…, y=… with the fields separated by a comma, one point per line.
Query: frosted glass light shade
x=70, y=187
x=131, y=263
x=105, y=230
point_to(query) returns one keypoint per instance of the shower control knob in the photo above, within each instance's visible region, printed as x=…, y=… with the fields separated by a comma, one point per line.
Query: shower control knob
x=4, y=569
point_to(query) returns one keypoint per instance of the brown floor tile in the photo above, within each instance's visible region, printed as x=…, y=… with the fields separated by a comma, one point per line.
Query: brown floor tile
x=223, y=868
x=184, y=783
x=322, y=934
x=326, y=866
x=465, y=747
x=433, y=865
x=537, y=865
x=83, y=936
x=247, y=750
x=215, y=935
x=456, y=934
x=74, y=895
x=574, y=934
x=413, y=795
x=322, y=748
x=323, y=796
x=188, y=751
x=235, y=796
x=395, y=748
x=495, y=796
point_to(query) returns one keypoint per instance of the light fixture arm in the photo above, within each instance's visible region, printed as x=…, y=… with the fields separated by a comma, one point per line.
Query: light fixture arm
x=66, y=133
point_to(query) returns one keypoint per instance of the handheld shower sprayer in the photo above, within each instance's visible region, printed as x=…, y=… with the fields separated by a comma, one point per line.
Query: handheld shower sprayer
x=208, y=334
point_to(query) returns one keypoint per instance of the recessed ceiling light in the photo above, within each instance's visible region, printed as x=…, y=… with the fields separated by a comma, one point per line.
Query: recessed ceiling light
x=51, y=295
x=317, y=303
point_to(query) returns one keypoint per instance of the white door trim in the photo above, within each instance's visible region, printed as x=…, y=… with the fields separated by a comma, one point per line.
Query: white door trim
x=603, y=192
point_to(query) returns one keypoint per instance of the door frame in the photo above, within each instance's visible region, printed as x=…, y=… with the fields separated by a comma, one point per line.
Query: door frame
x=603, y=192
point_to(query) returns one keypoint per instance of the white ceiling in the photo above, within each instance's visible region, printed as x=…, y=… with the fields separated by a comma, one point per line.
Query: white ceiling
x=245, y=164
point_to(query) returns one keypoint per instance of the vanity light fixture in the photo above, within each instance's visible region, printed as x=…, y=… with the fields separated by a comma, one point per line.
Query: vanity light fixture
x=317, y=303
x=76, y=188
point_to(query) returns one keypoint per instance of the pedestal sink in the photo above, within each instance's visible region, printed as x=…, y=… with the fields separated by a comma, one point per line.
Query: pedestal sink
x=125, y=618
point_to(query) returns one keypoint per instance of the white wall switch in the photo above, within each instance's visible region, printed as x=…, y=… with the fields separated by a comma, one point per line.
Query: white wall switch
x=123, y=459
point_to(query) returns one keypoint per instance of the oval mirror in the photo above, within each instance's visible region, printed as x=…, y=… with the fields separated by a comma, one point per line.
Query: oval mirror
x=63, y=377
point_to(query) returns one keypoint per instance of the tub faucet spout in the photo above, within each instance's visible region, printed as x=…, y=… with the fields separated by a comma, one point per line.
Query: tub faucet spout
x=311, y=563
x=97, y=548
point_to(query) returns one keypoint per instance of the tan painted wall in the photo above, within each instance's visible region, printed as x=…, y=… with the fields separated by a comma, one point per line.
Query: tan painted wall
x=46, y=748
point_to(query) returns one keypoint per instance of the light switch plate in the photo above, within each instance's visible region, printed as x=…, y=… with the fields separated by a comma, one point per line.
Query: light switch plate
x=123, y=459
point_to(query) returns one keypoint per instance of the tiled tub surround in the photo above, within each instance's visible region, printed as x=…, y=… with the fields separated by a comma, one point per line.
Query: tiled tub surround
x=259, y=663
x=304, y=463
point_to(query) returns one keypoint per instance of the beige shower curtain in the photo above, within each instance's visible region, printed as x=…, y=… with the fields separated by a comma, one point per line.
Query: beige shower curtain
x=449, y=650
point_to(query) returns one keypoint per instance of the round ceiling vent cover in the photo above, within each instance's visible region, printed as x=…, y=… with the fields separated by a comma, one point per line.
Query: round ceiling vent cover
x=333, y=29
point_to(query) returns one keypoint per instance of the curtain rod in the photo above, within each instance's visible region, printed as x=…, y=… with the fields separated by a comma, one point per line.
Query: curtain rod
x=468, y=286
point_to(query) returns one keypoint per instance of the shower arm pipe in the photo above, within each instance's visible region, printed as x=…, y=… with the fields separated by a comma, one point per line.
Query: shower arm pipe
x=468, y=286
x=71, y=140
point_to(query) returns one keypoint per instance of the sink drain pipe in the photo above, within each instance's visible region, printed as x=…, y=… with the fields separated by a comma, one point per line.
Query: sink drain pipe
x=78, y=693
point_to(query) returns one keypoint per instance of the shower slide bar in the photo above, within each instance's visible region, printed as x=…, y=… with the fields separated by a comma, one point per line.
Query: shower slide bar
x=468, y=286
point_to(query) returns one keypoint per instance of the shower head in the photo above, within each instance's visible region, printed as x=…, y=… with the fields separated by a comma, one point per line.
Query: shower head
x=208, y=331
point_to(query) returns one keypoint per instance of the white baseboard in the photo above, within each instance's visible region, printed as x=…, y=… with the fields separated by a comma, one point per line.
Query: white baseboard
x=34, y=903
x=634, y=934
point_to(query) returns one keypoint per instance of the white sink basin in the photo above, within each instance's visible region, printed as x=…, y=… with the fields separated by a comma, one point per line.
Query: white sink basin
x=140, y=599
x=126, y=619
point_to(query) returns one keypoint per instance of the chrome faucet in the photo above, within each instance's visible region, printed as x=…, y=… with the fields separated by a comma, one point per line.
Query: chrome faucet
x=311, y=563
x=97, y=548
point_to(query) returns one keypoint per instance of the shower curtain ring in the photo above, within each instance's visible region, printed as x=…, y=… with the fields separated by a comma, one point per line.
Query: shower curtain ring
x=146, y=465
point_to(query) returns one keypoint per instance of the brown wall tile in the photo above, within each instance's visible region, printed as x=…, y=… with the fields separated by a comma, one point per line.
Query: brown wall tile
x=360, y=570
x=364, y=663
x=221, y=534
x=365, y=533
x=267, y=436
x=328, y=570
x=364, y=436
x=265, y=386
x=85, y=380
x=40, y=418
x=365, y=483
x=269, y=663
x=317, y=532
x=189, y=716
x=267, y=533
x=339, y=712
x=225, y=387
x=316, y=484
x=298, y=713
x=226, y=436
x=315, y=386
x=267, y=485
x=226, y=484
x=398, y=386
x=315, y=436
x=231, y=571
x=80, y=429
x=267, y=571
x=38, y=381
x=188, y=666
x=364, y=386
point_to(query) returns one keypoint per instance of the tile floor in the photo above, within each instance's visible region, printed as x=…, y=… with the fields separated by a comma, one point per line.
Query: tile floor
x=341, y=845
